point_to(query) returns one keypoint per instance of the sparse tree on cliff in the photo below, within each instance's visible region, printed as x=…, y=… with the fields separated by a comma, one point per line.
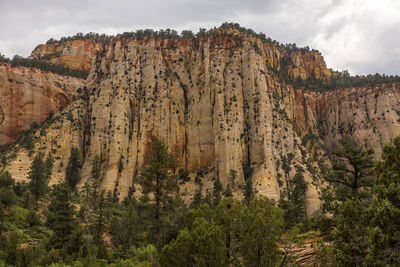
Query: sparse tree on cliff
x=96, y=168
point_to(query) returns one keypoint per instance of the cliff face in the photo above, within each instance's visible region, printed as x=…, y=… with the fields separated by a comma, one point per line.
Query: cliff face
x=219, y=107
x=28, y=95
x=77, y=54
x=213, y=102
x=308, y=64
x=368, y=115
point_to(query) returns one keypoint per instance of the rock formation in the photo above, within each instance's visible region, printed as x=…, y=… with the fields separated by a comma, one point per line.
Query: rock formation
x=218, y=105
x=28, y=95
x=77, y=54
x=369, y=115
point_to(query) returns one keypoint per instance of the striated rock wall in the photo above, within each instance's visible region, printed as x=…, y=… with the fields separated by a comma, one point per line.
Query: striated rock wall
x=308, y=64
x=368, y=115
x=28, y=95
x=212, y=100
x=77, y=54
x=66, y=132
x=218, y=106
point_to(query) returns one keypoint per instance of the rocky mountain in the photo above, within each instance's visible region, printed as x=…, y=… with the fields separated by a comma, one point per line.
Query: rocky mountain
x=219, y=103
x=74, y=54
x=28, y=95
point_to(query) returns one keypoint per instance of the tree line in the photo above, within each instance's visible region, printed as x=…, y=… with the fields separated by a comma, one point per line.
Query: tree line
x=185, y=34
x=98, y=38
x=67, y=225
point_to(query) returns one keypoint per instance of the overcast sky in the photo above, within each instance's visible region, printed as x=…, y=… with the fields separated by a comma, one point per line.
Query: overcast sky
x=362, y=36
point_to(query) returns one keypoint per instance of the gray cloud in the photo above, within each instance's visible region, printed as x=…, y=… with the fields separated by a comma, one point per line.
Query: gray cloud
x=359, y=35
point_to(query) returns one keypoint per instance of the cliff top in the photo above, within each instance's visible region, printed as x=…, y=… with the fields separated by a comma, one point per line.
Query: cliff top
x=300, y=67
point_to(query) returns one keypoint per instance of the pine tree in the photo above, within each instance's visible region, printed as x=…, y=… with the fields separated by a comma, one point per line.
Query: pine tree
x=98, y=226
x=183, y=175
x=248, y=190
x=350, y=238
x=228, y=191
x=202, y=245
x=232, y=177
x=295, y=209
x=156, y=178
x=7, y=194
x=128, y=230
x=228, y=216
x=38, y=177
x=217, y=192
x=60, y=218
x=197, y=199
x=384, y=212
x=96, y=168
x=208, y=199
x=72, y=176
x=262, y=227
x=2, y=217
x=102, y=251
x=351, y=175
x=49, y=163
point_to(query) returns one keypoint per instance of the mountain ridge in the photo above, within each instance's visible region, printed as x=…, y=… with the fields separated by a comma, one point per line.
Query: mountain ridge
x=219, y=106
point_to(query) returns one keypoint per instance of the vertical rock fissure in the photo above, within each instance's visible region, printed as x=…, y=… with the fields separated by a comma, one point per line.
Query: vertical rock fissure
x=87, y=123
x=186, y=119
x=246, y=160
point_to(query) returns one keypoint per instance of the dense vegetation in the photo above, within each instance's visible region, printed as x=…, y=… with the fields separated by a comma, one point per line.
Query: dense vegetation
x=69, y=226
x=64, y=226
x=43, y=65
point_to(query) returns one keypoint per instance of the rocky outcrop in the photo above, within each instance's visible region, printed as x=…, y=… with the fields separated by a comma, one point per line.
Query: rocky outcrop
x=28, y=95
x=368, y=115
x=219, y=106
x=76, y=54
x=213, y=102
x=308, y=65
x=65, y=132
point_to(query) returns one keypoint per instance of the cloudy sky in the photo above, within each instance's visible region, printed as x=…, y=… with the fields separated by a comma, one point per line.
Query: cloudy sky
x=362, y=36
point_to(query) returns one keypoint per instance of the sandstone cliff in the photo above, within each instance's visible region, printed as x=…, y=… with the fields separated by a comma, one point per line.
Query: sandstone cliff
x=76, y=54
x=216, y=103
x=308, y=64
x=368, y=115
x=28, y=95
